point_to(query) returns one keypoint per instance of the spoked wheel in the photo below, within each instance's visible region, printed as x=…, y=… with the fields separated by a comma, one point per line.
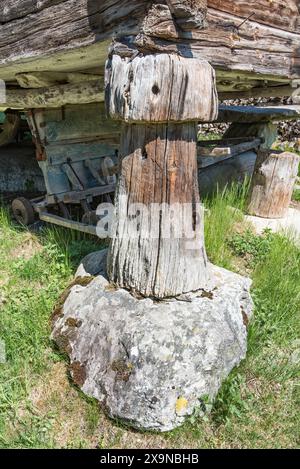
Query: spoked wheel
x=23, y=211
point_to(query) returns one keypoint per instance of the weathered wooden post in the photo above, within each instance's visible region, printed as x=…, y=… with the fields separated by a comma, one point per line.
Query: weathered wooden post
x=272, y=184
x=159, y=98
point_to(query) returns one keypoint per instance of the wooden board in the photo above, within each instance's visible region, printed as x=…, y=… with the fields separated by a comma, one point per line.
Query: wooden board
x=232, y=170
x=249, y=114
x=29, y=29
x=54, y=96
x=77, y=123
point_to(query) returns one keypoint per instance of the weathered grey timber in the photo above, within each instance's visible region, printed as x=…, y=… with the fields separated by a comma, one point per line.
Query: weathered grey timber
x=272, y=184
x=55, y=96
x=251, y=114
x=152, y=364
x=137, y=91
x=158, y=151
x=266, y=131
x=252, y=45
x=221, y=174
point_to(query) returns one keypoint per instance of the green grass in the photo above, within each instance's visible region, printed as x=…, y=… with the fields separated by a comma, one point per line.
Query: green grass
x=257, y=406
x=296, y=195
x=224, y=212
x=209, y=136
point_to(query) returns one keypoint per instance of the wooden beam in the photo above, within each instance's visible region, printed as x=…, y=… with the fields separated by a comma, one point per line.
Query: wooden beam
x=216, y=177
x=250, y=114
x=55, y=96
x=46, y=79
x=227, y=43
x=223, y=150
x=16, y=9
x=51, y=27
x=266, y=43
x=72, y=225
x=265, y=131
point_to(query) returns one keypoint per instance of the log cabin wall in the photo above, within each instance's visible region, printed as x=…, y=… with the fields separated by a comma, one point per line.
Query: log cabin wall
x=252, y=44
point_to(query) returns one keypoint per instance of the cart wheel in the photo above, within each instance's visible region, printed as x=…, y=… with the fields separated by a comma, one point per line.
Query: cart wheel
x=23, y=211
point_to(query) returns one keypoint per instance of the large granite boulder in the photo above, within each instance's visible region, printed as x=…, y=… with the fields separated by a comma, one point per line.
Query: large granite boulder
x=153, y=363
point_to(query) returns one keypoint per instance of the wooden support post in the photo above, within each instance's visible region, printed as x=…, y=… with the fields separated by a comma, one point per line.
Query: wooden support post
x=272, y=184
x=158, y=248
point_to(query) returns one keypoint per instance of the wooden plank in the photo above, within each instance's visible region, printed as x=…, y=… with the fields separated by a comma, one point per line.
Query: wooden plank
x=60, y=153
x=65, y=25
x=46, y=79
x=257, y=92
x=265, y=131
x=250, y=114
x=72, y=225
x=231, y=170
x=91, y=59
x=77, y=123
x=208, y=156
